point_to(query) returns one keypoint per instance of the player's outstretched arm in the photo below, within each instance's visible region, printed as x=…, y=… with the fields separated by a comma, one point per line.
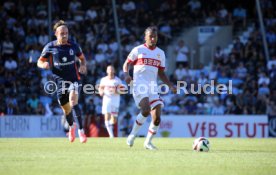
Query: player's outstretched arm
x=42, y=63
x=165, y=79
x=126, y=69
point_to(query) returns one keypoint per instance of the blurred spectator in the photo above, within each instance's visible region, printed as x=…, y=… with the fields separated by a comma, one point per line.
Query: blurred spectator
x=34, y=54
x=239, y=16
x=191, y=107
x=194, y=5
x=223, y=15
x=126, y=124
x=253, y=77
x=241, y=71
x=91, y=14
x=74, y=6
x=218, y=55
x=271, y=109
x=181, y=72
x=238, y=47
x=211, y=18
x=218, y=108
x=40, y=109
x=165, y=32
x=263, y=79
x=7, y=47
x=12, y=105
x=43, y=38
x=128, y=6
x=32, y=103
x=100, y=56
x=271, y=62
x=10, y=64
x=182, y=53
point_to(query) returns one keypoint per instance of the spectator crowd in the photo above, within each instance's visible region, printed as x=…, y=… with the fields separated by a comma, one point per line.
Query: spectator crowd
x=24, y=32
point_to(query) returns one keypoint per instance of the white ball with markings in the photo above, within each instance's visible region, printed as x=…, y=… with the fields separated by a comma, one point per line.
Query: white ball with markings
x=201, y=144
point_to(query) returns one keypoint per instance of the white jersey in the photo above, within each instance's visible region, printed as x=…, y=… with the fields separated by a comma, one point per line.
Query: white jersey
x=111, y=99
x=146, y=62
x=110, y=88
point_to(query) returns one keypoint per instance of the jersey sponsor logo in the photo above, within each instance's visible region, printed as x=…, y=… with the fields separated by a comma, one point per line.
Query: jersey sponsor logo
x=148, y=62
x=64, y=59
x=71, y=52
x=63, y=64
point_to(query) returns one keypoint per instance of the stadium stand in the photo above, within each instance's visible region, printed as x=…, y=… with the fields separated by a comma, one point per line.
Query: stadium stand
x=23, y=33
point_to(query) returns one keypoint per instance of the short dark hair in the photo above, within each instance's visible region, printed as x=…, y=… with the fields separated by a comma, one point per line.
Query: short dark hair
x=151, y=29
x=59, y=23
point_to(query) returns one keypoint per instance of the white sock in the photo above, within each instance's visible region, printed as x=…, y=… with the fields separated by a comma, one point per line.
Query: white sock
x=109, y=129
x=152, y=131
x=81, y=131
x=111, y=125
x=140, y=119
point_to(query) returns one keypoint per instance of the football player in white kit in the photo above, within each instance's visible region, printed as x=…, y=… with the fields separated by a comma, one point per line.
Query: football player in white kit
x=149, y=62
x=111, y=98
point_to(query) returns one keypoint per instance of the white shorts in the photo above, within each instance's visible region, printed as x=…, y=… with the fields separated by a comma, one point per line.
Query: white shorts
x=154, y=97
x=110, y=107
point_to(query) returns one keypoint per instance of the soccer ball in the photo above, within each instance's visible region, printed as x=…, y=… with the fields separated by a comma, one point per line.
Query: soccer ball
x=201, y=144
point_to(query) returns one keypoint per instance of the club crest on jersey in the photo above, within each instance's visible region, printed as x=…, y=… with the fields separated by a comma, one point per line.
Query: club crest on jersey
x=71, y=52
x=64, y=59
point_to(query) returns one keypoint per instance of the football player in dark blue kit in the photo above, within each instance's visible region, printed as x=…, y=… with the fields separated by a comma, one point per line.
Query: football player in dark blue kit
x=59, y=56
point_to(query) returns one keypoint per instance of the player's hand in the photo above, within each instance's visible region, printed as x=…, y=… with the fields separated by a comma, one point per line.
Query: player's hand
x=173, y=89
x=83, y=69
x=128, y=78
x=46, y=65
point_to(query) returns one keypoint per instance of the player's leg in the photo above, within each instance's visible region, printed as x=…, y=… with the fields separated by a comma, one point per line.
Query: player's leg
x=114, y=114
x=140, y=119
x=75, y=106
x=109, y=129
x=156, y=105
x=142, y=116
x=154, y=125
x=73, y=100
x=69, y=118
x=63, y=99
x=106, y=111
x=112, y=121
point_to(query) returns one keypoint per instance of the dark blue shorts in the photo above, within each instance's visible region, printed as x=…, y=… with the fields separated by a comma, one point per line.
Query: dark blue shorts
x=63, y=90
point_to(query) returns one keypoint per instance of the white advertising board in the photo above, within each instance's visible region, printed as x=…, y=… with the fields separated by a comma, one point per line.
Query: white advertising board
x=31, y=126
x=232, y=126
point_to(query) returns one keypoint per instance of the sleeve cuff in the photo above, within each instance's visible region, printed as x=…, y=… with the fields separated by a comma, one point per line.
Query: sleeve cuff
x=161, y=68
x=129, y=61
x=43, y=59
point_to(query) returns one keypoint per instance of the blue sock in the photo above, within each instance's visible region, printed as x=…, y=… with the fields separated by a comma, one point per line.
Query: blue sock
x=70, y=119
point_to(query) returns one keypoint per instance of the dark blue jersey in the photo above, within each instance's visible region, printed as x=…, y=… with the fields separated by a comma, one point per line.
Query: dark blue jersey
x=62, y=60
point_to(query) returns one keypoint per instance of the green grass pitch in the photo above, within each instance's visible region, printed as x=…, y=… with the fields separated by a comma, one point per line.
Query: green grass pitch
x=112, y=156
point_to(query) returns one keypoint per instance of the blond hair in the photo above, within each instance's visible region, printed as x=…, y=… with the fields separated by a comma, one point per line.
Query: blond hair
x=59, y=23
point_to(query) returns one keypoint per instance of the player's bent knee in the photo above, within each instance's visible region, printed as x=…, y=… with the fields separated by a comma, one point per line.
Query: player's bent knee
x=73, y=99
x=145, y=111
x=157, y=121
x=67, y=111
x=72, y=103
